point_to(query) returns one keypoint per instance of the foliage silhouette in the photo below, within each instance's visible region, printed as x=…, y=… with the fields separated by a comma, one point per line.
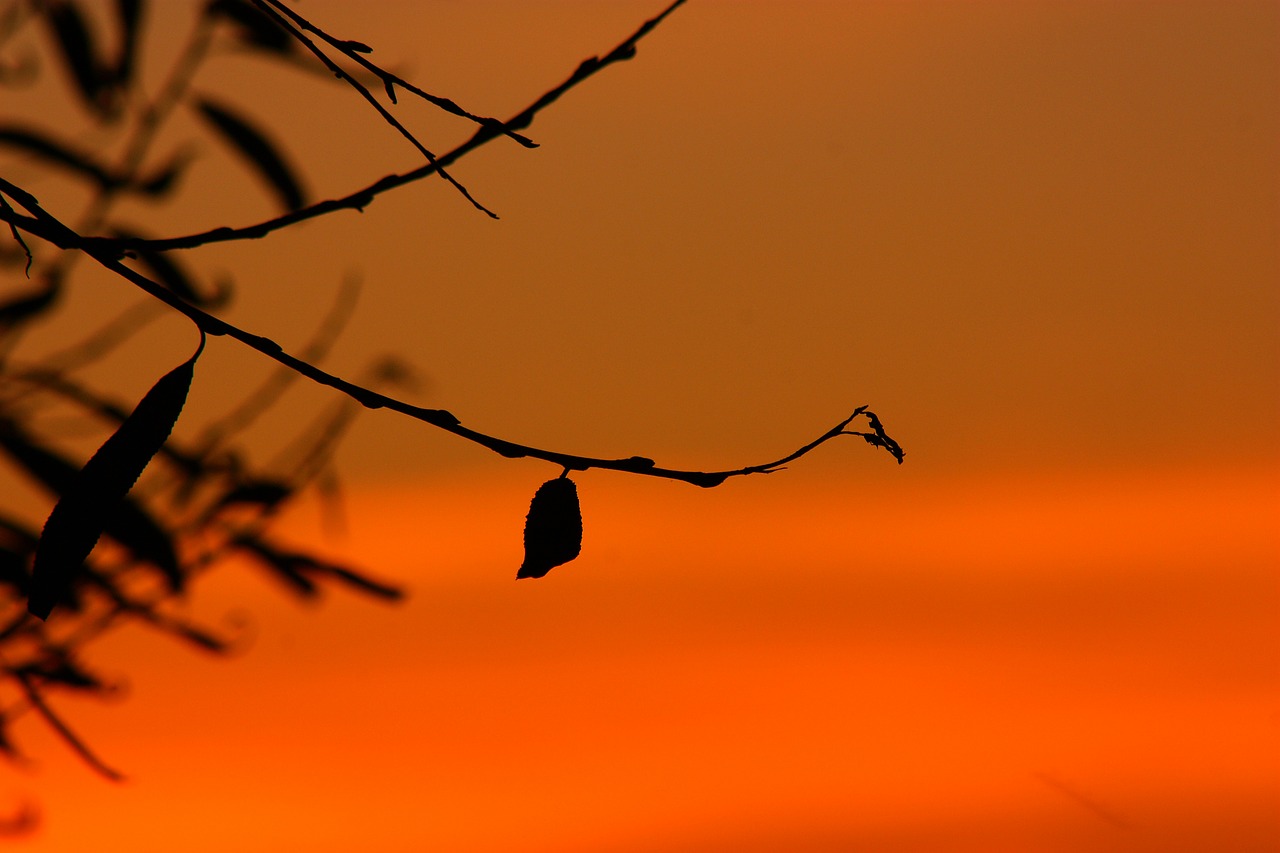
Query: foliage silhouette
x=201, y=501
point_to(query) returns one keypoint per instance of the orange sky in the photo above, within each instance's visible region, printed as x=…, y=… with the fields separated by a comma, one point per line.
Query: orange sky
x=1039, y=238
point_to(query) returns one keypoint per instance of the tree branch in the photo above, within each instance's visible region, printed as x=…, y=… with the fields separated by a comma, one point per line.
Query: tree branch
x=277, y=13
x=47, y=224
x=362, y=198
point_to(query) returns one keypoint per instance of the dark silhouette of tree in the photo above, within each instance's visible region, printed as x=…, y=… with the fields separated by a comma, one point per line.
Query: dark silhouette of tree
x=148, y=511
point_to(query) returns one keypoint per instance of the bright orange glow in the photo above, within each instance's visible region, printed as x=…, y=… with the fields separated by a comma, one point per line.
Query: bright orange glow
x=716, y=688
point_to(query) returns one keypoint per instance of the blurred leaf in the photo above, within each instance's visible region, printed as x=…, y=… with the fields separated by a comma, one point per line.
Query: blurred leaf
x=265, y=493
x=93, y=80
x=283, y=564
x=172, y=273
x=62, y=670
x=56, y=153
x=296, y=569
x=19, y=309
x=129, y=15
x=258, y=150
x=253, y=28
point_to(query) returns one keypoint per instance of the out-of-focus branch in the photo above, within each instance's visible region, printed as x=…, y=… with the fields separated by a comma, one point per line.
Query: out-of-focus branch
x=55, y=722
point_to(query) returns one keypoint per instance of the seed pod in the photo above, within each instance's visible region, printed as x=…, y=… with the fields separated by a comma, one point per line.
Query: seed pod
x=96, y=492
x=553, y=528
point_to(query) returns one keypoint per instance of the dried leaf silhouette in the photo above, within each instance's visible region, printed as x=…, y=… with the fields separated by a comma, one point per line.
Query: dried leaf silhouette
x=81, y=514
x=553, y=528
x=91, y=77
x=258, y=150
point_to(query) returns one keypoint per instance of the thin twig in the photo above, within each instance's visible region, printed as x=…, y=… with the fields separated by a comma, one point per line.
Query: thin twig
x=362, y=198
x=355, y=51
x=17, y=236
x=337, y=70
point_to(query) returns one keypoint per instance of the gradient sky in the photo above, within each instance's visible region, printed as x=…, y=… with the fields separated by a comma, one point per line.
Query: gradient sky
x=1040, y=239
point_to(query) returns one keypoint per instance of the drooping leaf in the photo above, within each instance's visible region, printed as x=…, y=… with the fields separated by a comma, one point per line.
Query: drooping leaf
x=553, y=528
x=98, y=490
x=258, y=150
x=22, y=308
x=128, y=524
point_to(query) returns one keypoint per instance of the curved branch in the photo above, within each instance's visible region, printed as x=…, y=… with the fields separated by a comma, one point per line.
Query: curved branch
x=362, y=198
x=62, y=235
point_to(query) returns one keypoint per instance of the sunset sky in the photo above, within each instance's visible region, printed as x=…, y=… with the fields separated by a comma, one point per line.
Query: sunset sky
x=1040, y=239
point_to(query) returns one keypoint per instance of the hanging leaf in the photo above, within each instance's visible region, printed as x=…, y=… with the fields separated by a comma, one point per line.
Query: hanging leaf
x=128, y=523
x=258, y=150
x=85, y=165
x=81, y=514
x=553, y=528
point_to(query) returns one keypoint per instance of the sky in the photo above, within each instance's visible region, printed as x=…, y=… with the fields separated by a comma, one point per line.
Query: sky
x=1039, y=239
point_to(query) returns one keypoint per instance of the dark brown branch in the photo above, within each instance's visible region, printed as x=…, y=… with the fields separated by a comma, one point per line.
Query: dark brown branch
x=439, y=418
x=355, y=51
x=277, y=14
x=363, y=198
